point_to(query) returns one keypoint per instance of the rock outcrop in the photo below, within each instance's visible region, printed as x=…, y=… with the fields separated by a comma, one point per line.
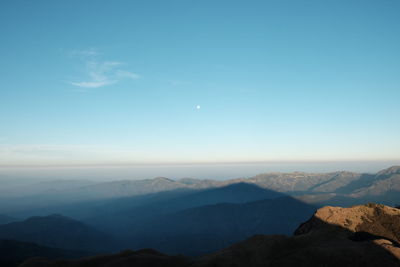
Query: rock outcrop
x=364, y=235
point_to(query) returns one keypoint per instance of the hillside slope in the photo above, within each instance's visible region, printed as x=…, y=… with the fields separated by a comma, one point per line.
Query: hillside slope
x=365, y=235
x=348, y=188
x=56, y=231
x=12, y=252
x=124, y=215
x=208, y=228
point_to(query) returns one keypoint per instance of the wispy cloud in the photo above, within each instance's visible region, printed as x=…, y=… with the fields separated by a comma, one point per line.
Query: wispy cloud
x=100, y=73
x=84, y=53
x=49, y=154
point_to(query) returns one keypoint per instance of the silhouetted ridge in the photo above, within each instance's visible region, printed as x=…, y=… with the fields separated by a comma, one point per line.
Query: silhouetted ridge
x=140, y=258
x=4, y=219
x=207, y=228
x=117, y=216
x=335, y=188
x=56, y=231
x=12, y=252
x=364, y=235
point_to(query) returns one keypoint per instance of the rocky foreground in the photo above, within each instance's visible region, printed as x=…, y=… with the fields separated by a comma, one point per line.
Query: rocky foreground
x=364, y=235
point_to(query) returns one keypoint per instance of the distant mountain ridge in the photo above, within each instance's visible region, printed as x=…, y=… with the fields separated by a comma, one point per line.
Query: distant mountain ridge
x=389, y=171
x=56, y=231
x=4, y=219
x=44, y=187
x=364, y=235
x=174, y=201
x=119, y=217
x=295, y=183
x=190, y=216
x=134, y=222
x=208, y=228
x=337, y=188
x=280, y=182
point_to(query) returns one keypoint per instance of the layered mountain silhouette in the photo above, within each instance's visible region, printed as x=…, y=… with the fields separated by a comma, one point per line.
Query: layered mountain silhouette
x=385, y=182
x=56, y=231
x=6, y=219
x=189, y=216
x=195, y=222
x=365, y=235
x=342, y=187
x=383, y=187
x=168, y=221
x=135, y=211
x=208, y=228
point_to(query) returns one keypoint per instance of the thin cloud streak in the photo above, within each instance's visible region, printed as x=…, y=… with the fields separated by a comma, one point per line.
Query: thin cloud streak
x=92, y=84
x=84, y=53
x=101, y=73
x=57, y=154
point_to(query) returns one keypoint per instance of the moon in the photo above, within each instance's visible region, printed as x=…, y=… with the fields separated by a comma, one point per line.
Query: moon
x=198, y=107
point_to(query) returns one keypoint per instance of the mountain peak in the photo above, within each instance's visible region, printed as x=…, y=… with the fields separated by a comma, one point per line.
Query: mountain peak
x=163, y=179
x=370, y=218
x=365, y=235
x=389, y=171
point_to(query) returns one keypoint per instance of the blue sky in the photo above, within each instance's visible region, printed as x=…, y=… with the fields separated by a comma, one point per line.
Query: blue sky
x=96, y=82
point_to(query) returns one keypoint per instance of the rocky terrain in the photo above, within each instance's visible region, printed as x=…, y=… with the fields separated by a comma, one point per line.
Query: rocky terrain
x=364, y=235
x=189, y=217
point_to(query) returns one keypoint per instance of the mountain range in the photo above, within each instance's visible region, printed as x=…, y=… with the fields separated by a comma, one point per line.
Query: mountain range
x=364, y=235
x=203, y=221
x=6, y=219
x=56, y=231
x=341, y=188
x=189, y=216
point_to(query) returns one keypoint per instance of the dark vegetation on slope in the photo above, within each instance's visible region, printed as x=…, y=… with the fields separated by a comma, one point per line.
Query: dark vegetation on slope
x=12, y=252
x=327, y=239
x=140, y=258
x=208, y=228
x=187, y=223
x=193, y=216
x=131, y=213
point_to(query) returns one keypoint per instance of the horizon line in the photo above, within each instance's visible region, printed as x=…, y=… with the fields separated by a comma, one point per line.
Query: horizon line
x=132, y=164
